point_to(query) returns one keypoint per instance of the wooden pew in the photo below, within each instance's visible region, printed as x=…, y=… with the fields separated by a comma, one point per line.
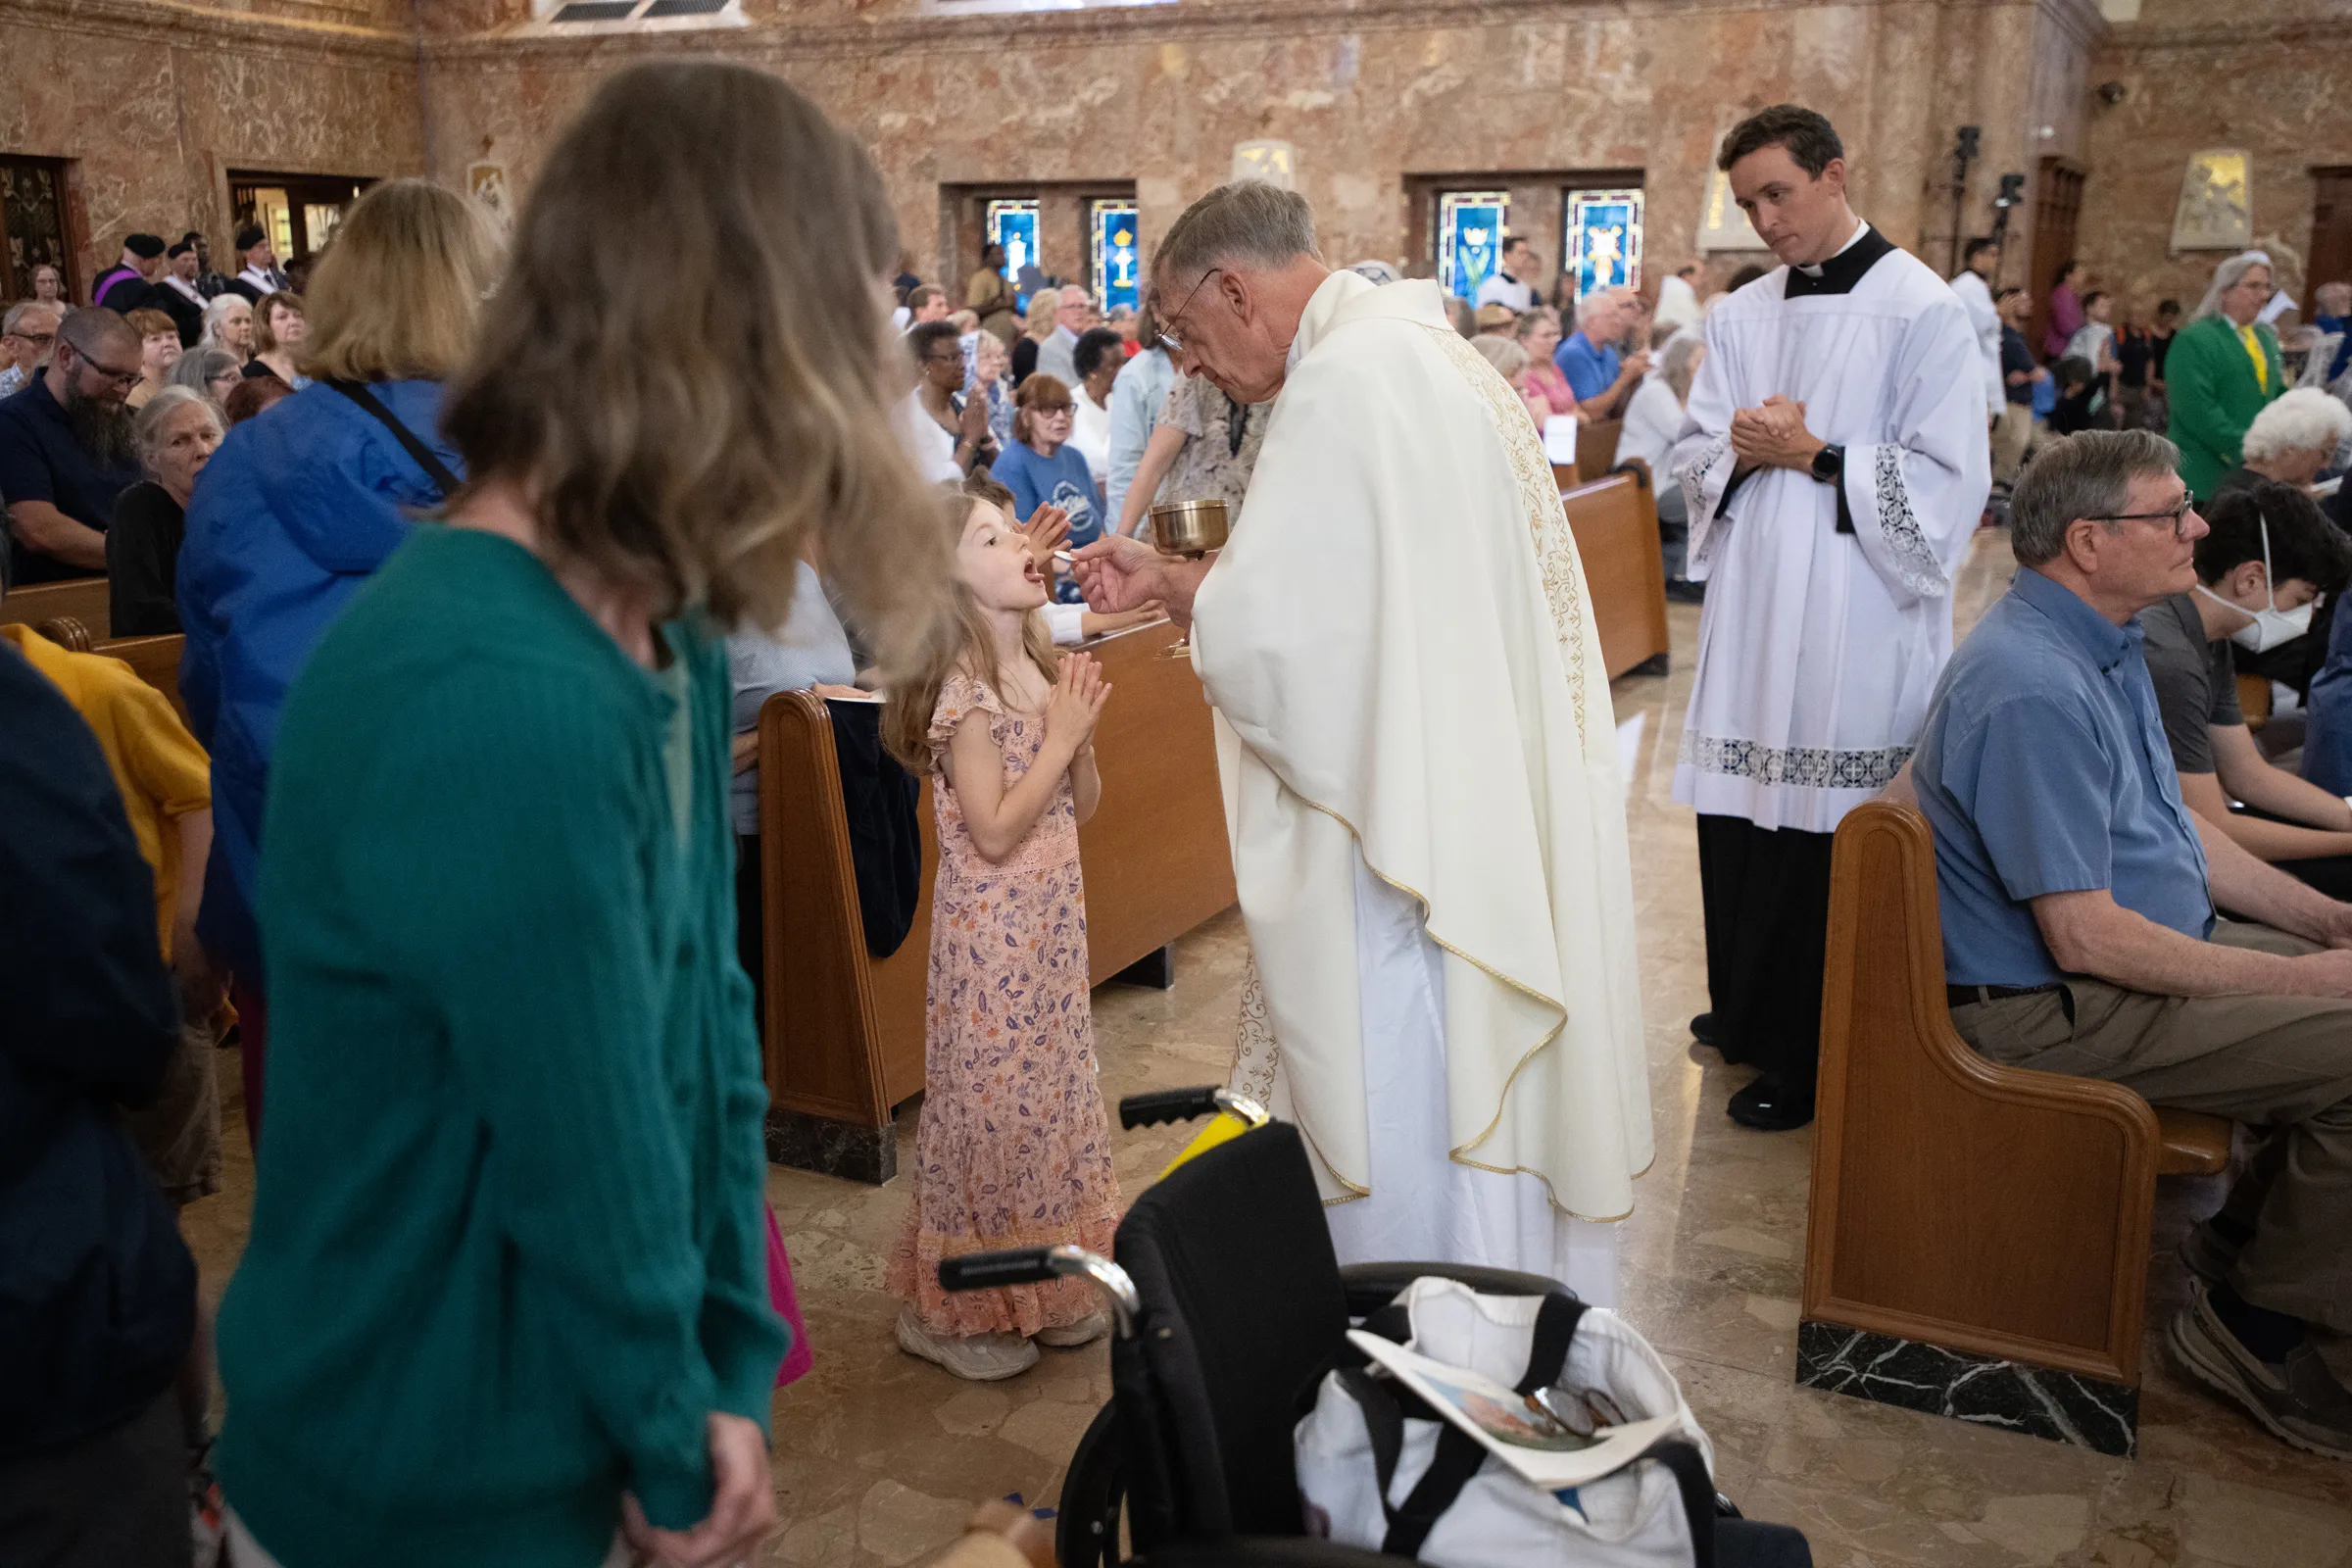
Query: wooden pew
x=844, y=1032
x=82, y=599
x=1615, y=521
x=1978, y=1244
x=154, y=659
x=1596, y=448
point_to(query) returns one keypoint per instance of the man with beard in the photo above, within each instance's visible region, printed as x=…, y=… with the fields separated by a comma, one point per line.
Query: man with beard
x=65, y=449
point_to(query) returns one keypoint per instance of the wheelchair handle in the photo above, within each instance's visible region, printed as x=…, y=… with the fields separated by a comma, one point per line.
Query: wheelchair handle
x=1035, y=1265
x=1187, y=1105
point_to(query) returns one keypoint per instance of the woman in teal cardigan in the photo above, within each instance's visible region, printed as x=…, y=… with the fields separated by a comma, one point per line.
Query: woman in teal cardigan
x=2212, y=384
x=505, y=1297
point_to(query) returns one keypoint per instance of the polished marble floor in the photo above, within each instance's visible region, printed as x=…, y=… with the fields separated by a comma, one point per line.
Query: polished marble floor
x=879, y=1457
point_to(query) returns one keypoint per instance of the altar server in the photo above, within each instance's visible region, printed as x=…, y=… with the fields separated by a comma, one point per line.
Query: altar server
x=1835, y=463
x=1419, y=764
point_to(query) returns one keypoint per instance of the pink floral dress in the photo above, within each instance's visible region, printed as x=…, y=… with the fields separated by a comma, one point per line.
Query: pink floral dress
x=1013, y=1149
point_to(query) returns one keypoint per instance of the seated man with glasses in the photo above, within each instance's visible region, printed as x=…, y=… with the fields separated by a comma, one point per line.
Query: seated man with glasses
x=28, y=332
x=66, y=451
x=2077, y=897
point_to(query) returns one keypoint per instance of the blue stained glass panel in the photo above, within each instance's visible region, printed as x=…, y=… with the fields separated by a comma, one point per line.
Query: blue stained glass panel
x=1013, y=225
x=1116, y=260
x=1604, y=239
x=1470, y=232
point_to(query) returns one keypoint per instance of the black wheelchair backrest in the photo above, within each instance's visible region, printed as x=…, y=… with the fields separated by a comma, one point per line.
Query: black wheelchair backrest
x=1244, y=1313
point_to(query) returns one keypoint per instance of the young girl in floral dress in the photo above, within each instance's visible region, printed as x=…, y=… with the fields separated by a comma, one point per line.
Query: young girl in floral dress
x=1013, y=1149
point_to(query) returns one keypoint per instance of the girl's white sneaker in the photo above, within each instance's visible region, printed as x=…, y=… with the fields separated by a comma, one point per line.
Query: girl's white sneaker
x=979, y=1357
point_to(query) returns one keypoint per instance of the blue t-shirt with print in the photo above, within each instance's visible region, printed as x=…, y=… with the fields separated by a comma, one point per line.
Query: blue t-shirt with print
x=1061, y=481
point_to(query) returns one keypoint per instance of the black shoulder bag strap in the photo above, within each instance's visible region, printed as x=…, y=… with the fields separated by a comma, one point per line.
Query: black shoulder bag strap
x=426, y=458
x=1460, y=1454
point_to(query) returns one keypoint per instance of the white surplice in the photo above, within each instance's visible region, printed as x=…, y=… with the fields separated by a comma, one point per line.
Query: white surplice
x=1427, y=817
x=1975, y=297
x=1818, y=649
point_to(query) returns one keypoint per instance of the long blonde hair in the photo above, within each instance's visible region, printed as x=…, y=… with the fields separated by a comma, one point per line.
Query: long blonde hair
x=906, y=718
x=398, y=293
x=684, y=427
x=1044, y=311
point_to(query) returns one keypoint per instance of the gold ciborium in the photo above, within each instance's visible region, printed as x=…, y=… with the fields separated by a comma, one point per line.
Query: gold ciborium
x=1190, y=530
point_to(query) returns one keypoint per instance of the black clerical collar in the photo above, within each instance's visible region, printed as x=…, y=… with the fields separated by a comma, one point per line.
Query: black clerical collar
x=1843, y=270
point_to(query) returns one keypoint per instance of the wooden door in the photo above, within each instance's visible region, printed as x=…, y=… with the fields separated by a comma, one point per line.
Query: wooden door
x=2331, y=234
x=2057, y=202
x=32, y=225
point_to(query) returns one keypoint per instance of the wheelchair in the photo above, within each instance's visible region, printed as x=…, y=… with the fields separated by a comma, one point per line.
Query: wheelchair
x=1228, y=1307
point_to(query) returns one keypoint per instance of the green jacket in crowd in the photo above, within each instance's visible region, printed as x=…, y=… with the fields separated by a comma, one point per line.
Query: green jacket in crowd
x=2211, y=388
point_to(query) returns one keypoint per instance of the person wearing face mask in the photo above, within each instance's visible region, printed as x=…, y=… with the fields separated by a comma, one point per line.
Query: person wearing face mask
x=2267, y=558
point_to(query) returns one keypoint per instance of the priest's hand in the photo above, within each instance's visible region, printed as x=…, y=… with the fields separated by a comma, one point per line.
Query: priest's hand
x=1118, y=573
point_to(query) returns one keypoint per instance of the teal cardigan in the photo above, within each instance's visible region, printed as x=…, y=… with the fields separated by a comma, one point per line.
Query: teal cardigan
x=2210, y=389
x=508, y=1248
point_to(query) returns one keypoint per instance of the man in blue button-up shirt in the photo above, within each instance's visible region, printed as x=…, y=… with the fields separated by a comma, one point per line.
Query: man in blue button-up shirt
x=2077, y=897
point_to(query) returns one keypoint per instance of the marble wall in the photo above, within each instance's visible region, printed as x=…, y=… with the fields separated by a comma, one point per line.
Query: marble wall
x=153, y=100
x=2267, y=78
x=1370, y=91
x=151, y=104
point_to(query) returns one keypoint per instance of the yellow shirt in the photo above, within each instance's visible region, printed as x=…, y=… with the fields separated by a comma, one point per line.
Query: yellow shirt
x=160, y=771
x=2262, y=367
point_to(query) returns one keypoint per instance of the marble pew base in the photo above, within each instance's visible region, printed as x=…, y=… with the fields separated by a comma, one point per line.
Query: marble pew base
x=1984, y=1391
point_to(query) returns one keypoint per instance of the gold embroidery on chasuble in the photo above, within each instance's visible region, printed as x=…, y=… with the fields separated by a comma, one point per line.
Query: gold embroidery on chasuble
x=1562, y=571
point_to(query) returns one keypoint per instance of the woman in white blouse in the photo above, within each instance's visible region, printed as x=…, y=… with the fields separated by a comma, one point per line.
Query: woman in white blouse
x=1653, y=419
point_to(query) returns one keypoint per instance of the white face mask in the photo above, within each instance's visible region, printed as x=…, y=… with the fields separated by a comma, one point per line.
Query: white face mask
x=2272, y=625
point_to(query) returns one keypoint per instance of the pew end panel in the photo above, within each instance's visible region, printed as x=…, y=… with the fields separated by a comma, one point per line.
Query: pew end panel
x=1978, y=1237
x=1615, y=523
x=1158, y=859
x=827, y=1107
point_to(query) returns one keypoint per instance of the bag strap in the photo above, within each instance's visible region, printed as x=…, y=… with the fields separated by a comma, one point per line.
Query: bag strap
x=1459, y=1455
x=1681, y=1457
x=426, y=458
x=1456, y=1461
x=1547, y=1352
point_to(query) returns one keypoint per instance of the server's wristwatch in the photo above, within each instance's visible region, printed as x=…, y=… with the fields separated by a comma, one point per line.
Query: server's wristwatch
x=1827, y=464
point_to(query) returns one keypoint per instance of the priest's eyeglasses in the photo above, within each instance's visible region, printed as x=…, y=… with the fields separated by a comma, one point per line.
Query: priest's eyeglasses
x=1167, y=332
x=2178, y=517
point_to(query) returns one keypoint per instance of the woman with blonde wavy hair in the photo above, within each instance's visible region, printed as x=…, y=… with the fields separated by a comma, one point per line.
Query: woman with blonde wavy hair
x=504, y=1299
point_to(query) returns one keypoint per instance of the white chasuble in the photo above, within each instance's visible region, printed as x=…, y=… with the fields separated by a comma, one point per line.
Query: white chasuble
x=1422, y=789
x=1828, y=608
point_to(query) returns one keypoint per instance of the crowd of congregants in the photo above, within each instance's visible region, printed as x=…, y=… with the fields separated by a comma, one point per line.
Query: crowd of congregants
x=2137, y=883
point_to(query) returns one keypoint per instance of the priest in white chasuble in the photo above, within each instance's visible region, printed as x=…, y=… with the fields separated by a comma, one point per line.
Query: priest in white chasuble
x=1419, y=761
x=1835, y=462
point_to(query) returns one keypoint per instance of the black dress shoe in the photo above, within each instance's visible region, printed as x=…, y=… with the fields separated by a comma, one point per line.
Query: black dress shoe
x=1683, y=591
x=1772, y=1104
x=1709, y=1032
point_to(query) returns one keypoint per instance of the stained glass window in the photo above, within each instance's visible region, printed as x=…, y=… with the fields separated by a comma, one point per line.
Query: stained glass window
x=1604, y=239
x=1013, y=225
x=1470, y=238
x=1115, y=260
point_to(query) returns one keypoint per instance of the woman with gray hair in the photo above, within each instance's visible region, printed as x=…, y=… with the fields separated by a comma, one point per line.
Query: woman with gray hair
x=1653, y=422
x=175, y=435
x=209, y=373
x=228, y=324
x=2291, y=440
x=2223, y=369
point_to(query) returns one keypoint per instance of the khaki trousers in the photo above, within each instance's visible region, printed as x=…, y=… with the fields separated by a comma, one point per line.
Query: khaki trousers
x=2012, y=434
x=2279, y=1065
